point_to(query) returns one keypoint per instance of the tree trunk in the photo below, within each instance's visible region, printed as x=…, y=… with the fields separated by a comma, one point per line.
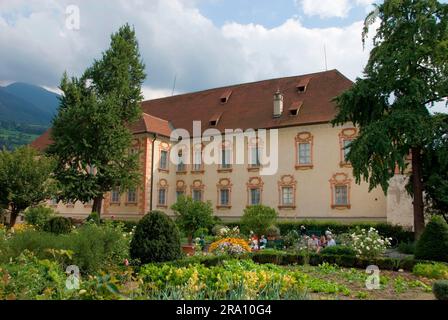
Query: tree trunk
x=417, y=187
x=97, y=204
x=12, y=218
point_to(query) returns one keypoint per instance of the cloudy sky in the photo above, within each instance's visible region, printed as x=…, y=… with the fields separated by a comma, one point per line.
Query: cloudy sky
x=201, y=43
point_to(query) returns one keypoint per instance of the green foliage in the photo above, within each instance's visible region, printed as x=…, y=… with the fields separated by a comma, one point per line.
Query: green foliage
x=396, y=232
x=38, y=216
x=435, y=167
x=201, y=232
x=431, y=270
x=94, y=217
x=24, y=179
x=257, y=219
x=30, y=278
x=58, y=225
x=93, y=247
x=109, y=92
x=406, y=72
x=96, y=247
x=440, y=289
x=273, y=231
x=433, y=244
x=406, y=247
x=156, y=239
x=192, y=215
x=339, y=250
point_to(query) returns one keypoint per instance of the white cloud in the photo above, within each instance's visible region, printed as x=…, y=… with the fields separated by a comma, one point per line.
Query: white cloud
x=175, y=40
x=331, y=8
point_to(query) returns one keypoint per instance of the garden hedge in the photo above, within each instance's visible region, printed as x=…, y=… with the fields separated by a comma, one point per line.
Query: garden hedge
x=440, y=289
x=433, y=243
x=398, y=233
x=347, y=261
x=289, y=258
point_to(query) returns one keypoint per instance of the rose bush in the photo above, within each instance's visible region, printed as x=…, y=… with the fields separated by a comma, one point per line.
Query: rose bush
x=368, y=243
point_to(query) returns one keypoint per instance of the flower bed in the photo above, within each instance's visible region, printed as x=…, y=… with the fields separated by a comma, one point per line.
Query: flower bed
x=232, y=246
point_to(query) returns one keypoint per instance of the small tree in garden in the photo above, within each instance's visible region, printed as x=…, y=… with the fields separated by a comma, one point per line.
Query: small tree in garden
x=258, y=219
x=38, y=216
x=192, y=215
x=25, y=180
x=156, y=239
x=433, y=244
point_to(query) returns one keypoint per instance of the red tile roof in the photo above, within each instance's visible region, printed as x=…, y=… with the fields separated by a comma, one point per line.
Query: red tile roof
x=249, y=106
x=146, y=123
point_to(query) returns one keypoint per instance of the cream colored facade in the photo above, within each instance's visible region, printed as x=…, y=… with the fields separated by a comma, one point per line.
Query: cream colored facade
x=313, y=185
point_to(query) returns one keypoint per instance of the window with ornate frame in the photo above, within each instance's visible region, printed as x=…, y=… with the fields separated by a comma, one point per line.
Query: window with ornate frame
x=254, y=191
x=131, y=197
x=181, y=189
x=254, y=154
x=304, y=150
x=340, y=191
x=346, y=136
x=287, y=192
x=164, y=157
x=197, y=161
x=115, y=196
x=181, y=167
x=162, y=193
x=226, y=157
x=224, y=190
x=197, y=190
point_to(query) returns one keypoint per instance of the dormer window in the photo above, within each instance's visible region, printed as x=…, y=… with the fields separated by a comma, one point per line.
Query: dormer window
x=295, y=108
x=215, y=119
x=225, y=96
x=302, y=85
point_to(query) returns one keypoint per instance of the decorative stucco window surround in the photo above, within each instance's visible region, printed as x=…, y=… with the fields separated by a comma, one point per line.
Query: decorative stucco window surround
x=304, y=151
x=226, y=157
x=340, y=185
x=162, y=194
x=255, y=183
x=198, y=187
x=287, y=192
x=115, y=197
x=181, y=167
x=164, y=157
x=181, y=188
x=132, y=197
x=346, y=136
x=197, y=161
x=254, y=157
x=224, y=193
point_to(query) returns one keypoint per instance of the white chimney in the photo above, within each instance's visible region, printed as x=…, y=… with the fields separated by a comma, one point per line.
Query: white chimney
x=278, y=104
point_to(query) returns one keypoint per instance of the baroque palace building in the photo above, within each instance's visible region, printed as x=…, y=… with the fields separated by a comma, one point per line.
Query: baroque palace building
x=312, y=181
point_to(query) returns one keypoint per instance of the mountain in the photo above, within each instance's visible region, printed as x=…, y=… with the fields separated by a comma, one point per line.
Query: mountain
x=26, y=112
x=26, y=103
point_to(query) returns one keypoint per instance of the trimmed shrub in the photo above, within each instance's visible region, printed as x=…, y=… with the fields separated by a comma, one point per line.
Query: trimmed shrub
x=38, y=216
x=156, y=239
x=440, y=289
x=257, y=219
x=397, y=233
x=431, y=270
x=58, y=225
x=407, y=247
x=338, y=250
x=433, y=243
x=273, y=231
